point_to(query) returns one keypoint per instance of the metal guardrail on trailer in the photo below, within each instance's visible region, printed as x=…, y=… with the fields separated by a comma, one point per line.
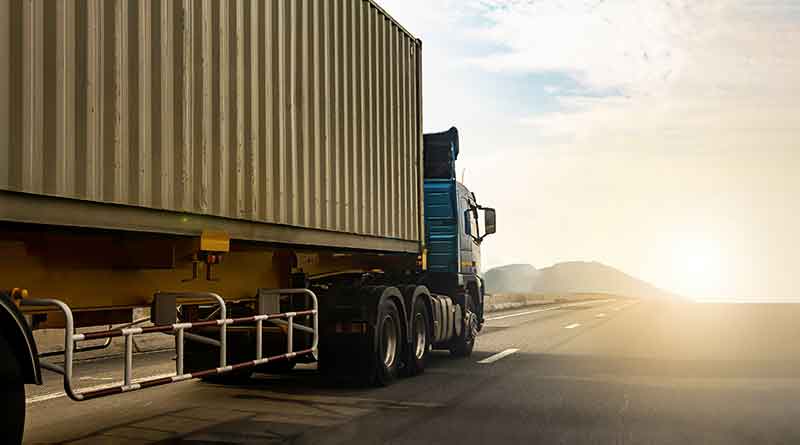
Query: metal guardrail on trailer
x=71, y=338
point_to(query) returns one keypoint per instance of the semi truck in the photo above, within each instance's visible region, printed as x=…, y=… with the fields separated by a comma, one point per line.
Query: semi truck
x=253, y=173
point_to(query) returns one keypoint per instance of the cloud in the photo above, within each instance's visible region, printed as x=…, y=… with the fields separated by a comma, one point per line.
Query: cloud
x=713, y=75
x=632, y=45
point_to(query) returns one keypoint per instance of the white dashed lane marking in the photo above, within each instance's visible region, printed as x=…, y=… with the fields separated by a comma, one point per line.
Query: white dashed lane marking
x=498, y=356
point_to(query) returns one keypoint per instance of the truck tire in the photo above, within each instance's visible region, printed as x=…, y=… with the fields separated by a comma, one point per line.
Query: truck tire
x=387, y=346
x=12, y=394
x=372, y=358
x=464, y=343
x=417, y=355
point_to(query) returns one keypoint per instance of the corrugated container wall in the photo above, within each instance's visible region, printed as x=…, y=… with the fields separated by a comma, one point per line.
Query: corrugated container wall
x=295, y=112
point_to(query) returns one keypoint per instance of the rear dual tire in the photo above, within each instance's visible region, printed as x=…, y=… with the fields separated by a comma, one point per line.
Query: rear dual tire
x=374, y=358
x=417, y=356
x=387, y=346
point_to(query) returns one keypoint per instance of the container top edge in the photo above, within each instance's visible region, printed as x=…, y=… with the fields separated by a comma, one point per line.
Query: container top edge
x=402, y=28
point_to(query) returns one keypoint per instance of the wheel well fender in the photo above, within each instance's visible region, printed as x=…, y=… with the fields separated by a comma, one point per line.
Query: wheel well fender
x=374, y=296
x=17, y=333
x=371, y=297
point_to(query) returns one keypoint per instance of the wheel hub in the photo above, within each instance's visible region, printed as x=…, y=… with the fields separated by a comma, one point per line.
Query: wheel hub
x=389, y=341
x=420, y=337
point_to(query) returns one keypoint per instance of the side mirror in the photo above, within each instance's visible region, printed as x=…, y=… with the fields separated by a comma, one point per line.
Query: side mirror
x=489, y=221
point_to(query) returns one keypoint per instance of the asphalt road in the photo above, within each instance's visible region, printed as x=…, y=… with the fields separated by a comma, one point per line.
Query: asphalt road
x=616, y=372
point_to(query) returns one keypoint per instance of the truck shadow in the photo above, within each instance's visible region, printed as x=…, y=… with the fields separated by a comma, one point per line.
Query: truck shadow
x=267, y=409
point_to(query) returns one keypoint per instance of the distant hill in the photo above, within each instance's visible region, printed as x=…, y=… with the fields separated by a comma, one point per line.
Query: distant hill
x=511, y=279
x=569, y=278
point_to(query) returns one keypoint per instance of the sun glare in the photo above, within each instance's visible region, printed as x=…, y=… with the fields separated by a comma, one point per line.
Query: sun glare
x=697, y=267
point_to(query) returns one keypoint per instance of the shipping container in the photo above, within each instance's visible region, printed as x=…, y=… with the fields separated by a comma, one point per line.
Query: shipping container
x=287, y=121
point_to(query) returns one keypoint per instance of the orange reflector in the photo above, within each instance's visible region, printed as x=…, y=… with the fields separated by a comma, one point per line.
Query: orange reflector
x=18, y=294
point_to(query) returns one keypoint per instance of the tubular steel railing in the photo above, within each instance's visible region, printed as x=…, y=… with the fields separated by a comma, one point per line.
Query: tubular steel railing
x=178, y=329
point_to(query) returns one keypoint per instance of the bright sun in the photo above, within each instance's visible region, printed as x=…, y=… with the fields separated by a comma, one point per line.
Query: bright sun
x=697, y=267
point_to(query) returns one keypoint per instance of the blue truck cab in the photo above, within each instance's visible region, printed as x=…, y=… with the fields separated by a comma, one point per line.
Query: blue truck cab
x=455, y=226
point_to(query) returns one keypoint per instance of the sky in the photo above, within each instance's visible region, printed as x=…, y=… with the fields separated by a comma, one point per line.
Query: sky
x=658, y=137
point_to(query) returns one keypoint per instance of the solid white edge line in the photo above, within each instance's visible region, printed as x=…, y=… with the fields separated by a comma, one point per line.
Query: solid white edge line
x=498, y=356
x=572, y=326
x=44, y=397
x=536, y=311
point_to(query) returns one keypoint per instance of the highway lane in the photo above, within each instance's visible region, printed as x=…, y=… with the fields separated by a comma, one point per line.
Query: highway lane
x=606, y=372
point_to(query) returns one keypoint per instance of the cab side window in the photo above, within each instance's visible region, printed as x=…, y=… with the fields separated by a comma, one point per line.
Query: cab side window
x=468, y=219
